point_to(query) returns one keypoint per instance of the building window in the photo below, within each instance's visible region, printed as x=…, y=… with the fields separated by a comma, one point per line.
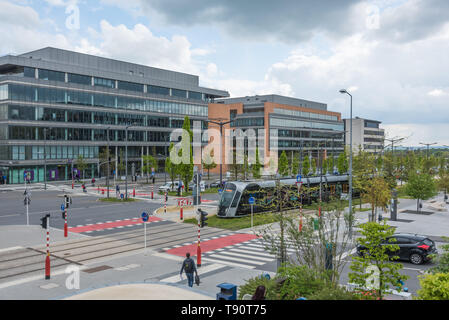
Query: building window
x=130, y=86
x=195, y=95
x=4, y=92
x=80, y=79
x=179, y=93
x=158, y=90
x=107, y=83
x=29, y=72
x=51, y=75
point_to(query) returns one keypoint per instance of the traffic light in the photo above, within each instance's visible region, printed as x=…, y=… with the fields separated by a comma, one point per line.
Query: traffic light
x=202, y=217
x=166, y=196
x=67, y=201
x=63, y=214
x=44, y=221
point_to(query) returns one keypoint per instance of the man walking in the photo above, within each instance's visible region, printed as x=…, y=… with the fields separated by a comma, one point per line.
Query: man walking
x=189, y=267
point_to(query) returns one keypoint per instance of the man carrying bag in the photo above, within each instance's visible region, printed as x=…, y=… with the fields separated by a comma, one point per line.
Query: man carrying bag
x=189, y=267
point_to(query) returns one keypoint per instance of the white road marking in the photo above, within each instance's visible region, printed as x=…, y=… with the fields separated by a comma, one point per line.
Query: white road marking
x=11, y=249
x=229, y=263
x=246, y=256
x=235, y=259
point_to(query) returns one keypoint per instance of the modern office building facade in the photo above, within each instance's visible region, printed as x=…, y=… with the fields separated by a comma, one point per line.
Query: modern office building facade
x=57, y=105
x=366, y=135
x=304, y=128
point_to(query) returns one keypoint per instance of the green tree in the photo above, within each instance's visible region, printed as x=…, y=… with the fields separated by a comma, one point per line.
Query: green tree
x=149, y=162
x=378, y=194
x=81, y=164
x=363, y=171
x=441, y=260
x=255, y=168
x=170, y=167
x=283, y=164
x=121, y=163
x=375, y=269
x=209, y=163
x=185, y=170
x=306, y=166
x=313, y=162
x=342, y=163
x=443, y=181
x=420, y=187
x=433, y=287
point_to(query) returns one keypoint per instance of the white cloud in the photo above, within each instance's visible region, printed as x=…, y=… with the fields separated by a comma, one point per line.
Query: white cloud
x=437, y=93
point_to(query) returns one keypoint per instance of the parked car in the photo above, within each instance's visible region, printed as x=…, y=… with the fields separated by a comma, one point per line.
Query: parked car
x=202, y=186
x=169, y=186
x=412, y=247
x=216, y=184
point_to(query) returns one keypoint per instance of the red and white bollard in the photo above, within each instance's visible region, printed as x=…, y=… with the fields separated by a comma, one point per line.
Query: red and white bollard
x=181, y=213
x=165, y=202
x=152, y=192
x=47, y=259
x=134, y=192
x=65, y=223
x=198, y=251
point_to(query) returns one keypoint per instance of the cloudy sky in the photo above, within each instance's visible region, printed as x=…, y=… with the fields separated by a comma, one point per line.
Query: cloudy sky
x=392, y=55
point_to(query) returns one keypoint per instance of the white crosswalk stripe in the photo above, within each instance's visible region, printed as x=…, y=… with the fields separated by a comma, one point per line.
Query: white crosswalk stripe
x=250, y=255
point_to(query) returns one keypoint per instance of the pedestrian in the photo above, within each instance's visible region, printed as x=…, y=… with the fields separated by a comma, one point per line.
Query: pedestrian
x=117, y=190
x=189, y=267
x=260, y=293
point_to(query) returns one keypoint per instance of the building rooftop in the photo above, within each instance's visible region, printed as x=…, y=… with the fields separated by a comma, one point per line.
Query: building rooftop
x=274, y=98
x=81, y=63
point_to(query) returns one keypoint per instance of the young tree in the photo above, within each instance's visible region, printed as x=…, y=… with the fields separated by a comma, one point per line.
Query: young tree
x=342, y=163
x=121, y=164
x=209, y=163
x=443, y=181
x=378, y=194
x=81, y=164
x=185, y=170
x=313, y=162
x=283, y=164
x=306, y=166
x=149, y=162
x=255, y=168
x=420, y=186
x=363, y=172
x=375, y=268
x=170, y=167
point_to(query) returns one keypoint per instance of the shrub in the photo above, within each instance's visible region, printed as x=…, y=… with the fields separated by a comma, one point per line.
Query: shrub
x=251, y=285
x=300, y=281
x=334, y=293
x=434, y=287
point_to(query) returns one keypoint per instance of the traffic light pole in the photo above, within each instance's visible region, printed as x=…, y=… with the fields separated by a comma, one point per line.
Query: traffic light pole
x=198, y=252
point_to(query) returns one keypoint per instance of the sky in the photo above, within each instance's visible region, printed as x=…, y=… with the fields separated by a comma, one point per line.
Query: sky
x=391, y=55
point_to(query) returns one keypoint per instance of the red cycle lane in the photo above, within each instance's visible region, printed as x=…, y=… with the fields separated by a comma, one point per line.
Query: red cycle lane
x=213, y=244
x=107, y=225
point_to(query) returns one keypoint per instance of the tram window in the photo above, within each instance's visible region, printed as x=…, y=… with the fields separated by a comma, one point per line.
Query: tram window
x=236, y=199
x=227, y=196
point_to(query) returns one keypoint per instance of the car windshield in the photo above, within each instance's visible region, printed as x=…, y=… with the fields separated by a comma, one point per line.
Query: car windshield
x=428, y=242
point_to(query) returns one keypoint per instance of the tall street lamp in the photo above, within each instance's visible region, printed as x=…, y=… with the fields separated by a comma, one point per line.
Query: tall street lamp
x=428, y=144
x=45, y=157
x=344, y=91
x=126, y=159
x=221, y=123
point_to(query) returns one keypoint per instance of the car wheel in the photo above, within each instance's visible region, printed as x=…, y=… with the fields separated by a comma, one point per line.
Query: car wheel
x=416, y=258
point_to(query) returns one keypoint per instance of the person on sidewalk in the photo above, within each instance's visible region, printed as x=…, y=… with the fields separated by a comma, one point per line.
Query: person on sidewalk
x=189, y=267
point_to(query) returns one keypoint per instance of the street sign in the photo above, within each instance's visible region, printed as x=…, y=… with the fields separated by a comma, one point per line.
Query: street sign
x=298, y=178
x=251, y=200
x=144, y=217
x=62, y=207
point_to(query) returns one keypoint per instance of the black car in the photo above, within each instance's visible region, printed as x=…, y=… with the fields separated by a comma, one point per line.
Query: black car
x=412, y=247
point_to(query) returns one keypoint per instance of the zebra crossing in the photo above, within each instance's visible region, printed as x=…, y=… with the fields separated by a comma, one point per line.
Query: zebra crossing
x=250, y=254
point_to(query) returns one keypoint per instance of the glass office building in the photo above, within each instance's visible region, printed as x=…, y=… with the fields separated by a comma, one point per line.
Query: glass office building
x=304, y=128
x=58, y=105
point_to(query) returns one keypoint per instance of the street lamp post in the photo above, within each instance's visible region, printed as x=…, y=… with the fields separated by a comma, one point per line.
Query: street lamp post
x=344, y=91
x=45, y=158
x=221, y=124
x=107, y=176
x=428, y=144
